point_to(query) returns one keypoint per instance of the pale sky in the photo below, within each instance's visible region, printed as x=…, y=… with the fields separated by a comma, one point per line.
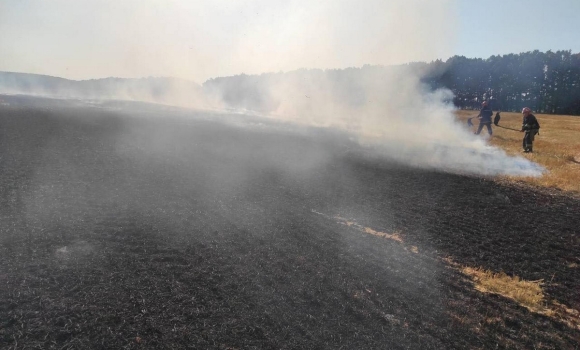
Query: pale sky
x=197, y=40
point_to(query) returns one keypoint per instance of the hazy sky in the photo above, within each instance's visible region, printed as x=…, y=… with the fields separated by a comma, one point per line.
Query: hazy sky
x=81, y=39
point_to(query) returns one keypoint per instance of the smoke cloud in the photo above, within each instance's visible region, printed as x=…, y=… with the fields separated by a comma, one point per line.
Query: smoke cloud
x=197, y=40
x=387, y=109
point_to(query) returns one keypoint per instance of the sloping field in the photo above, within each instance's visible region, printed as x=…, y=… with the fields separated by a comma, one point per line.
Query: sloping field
x=136, y=228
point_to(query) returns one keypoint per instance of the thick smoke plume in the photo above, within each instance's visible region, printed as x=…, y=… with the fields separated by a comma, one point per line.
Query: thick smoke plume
x=194, y=40
x=386, y=108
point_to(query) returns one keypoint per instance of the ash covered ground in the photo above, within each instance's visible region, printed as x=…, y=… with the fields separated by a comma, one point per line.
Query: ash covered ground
x=126, y=225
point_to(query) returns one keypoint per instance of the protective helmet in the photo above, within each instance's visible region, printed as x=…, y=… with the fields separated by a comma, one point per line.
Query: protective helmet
x=484, y=103
x=526, y=110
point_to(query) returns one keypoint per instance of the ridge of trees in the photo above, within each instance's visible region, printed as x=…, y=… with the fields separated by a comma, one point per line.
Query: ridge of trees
x=547, y=82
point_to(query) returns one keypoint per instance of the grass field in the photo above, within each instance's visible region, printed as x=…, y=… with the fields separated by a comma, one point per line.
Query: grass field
x=130, y=226
x=557, y=147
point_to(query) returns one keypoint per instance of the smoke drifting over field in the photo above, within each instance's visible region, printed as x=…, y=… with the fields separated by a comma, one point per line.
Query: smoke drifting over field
x=197, y=40
x=387, y=108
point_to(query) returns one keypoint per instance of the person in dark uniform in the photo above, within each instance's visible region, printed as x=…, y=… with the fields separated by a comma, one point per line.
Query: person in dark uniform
x=484, y=117
x=530, y=127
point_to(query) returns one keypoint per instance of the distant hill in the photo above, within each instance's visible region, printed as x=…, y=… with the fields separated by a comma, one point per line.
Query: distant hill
x=160, y=90
x=547, y=82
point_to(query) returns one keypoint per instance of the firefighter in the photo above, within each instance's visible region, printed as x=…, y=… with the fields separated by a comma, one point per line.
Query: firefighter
x=530, y=127
x=484, y=118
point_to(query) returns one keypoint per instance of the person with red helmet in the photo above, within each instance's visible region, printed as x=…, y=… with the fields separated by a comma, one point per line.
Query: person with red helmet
x=484, y=117
x=530, y=127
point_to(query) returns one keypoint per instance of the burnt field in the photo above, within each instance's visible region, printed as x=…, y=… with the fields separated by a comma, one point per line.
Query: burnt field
x=134, y=227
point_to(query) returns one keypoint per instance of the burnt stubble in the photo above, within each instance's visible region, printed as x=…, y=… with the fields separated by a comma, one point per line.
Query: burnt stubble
x=127, y=225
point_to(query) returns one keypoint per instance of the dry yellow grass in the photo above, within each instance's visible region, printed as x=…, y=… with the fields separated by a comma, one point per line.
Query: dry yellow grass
x=525, y=293
x=394, y=236
x=557, y=148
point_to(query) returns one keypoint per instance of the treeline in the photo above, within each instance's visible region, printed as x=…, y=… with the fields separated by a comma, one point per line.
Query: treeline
x=547, y=82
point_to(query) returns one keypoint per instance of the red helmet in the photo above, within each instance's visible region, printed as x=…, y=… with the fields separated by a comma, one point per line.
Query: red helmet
x=526, y=110
x=484, y=103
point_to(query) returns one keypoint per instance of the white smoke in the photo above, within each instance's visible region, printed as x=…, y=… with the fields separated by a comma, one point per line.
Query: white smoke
x=390, y=110
x=195, y=40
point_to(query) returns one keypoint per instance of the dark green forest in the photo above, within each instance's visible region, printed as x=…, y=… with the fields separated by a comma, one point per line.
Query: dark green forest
x=547, y=82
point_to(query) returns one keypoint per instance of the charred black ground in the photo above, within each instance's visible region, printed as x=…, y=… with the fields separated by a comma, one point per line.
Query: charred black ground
x=131, y=226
